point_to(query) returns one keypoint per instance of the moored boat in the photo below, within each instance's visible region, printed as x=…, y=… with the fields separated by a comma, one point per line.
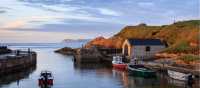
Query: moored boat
x=141, y=71
x=118, y=63
x=178, y=75
x=46, y=79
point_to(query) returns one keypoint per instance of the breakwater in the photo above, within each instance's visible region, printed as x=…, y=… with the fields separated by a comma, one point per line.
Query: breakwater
x=17, y=61
x=90, y=55
x=95, y=55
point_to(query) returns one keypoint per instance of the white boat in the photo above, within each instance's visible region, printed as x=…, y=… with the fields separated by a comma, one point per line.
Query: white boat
x=178, y=75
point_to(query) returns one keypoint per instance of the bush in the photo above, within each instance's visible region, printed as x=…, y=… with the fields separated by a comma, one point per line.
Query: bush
x=189, y=58
x=181, y=47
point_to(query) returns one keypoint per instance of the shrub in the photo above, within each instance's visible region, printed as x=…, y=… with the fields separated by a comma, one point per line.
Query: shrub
x=181, y=47
x=189, y=58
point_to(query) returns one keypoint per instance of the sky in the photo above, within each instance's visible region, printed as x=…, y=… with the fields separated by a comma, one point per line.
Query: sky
x=55, y=20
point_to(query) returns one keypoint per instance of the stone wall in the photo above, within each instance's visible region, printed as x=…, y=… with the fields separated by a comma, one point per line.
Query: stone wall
x=141, y=53
x=14, y=63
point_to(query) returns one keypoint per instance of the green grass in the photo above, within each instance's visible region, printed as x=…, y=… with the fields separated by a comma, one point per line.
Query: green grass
x=189, y=58
x=177, y=35
x=181, y=47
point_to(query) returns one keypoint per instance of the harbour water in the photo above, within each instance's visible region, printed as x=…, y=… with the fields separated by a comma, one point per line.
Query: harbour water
x=69, y=75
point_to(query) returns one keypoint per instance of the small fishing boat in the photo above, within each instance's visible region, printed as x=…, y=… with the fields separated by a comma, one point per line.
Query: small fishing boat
x=178, y=75
x=46, y=79
x=118, y=63
x=141, y=71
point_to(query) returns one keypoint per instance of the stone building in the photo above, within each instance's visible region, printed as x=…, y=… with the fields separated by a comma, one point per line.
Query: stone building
x=142, y=48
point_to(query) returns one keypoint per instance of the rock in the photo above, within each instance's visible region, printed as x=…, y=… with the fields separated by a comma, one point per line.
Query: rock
x=4, y=50
x=166, y=55
x=66, y=51
x=115, y=42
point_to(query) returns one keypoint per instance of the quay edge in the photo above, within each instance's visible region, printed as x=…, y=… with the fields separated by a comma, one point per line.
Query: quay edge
x=11, y=64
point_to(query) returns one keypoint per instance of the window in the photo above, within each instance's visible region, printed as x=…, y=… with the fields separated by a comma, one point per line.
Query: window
x=148, y=48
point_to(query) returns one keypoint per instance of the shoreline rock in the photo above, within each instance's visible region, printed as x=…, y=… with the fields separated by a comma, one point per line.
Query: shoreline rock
x=66, y=51
x=4, y=50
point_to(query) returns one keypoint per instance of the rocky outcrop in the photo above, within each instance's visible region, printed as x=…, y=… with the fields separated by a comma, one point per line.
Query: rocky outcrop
x=107, y=43
x=66, y=51
x=4, y=50
x=181, y=37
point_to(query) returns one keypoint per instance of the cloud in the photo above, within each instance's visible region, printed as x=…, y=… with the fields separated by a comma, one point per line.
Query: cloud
x=146, y=4
x=54, y=8
x=20, y=23
x=14, y=24
x=29, y=21
x=2, y=11
x=36, y=13
x=36, y=36
x=76, y=12
x=47, y=2
x=109, y=12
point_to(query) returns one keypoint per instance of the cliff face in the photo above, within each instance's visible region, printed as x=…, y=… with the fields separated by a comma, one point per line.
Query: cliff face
x=180, y=36
x=108, y=43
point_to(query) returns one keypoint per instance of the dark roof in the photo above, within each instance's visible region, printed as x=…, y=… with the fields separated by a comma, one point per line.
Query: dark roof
x=145, y=42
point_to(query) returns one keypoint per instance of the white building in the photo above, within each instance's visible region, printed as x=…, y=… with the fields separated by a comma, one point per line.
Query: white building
x=142, y=48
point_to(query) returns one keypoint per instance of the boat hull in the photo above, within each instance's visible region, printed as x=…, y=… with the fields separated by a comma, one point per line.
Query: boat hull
x=141, y=73
x=46, y=79
x=120, y=66
x=177, y=75
x=45, y=82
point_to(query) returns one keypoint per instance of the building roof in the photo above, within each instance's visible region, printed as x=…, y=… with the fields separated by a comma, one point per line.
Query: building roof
x=145, y=42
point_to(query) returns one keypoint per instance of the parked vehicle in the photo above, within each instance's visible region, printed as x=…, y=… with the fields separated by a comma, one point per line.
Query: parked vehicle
x=140, y=71
x=46, y=79
x=118, y=63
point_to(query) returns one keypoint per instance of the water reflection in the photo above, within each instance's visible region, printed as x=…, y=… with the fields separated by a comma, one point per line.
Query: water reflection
x=139, y=82
x=122, y=75
x=16, y=77
x=94, y=66
x=70, y=75
x=166, y=82
x=128, y=81
x=98, y=69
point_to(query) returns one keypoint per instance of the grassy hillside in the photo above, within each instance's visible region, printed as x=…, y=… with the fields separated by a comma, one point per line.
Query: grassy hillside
x=181, y=36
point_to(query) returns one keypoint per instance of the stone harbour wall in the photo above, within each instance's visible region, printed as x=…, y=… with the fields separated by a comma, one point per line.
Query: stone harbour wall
x=13, y=63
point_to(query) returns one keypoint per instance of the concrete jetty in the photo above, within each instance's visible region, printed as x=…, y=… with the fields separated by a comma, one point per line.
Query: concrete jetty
x=16, y=61
x=164, y=67
x=84, y=55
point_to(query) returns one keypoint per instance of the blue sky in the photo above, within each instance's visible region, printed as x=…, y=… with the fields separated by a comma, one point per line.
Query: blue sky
x=54, y=20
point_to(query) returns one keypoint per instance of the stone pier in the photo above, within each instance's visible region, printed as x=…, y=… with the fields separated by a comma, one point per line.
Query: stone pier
x=16, y=61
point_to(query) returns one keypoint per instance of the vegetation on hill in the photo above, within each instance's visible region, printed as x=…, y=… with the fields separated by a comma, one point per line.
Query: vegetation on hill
x=189, y=58
x=181, y=36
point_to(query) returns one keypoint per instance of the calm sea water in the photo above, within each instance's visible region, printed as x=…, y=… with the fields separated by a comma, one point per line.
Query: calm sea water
x=69, y=75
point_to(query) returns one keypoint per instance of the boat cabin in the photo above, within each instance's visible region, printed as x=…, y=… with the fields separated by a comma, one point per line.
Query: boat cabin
x=46, y=79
